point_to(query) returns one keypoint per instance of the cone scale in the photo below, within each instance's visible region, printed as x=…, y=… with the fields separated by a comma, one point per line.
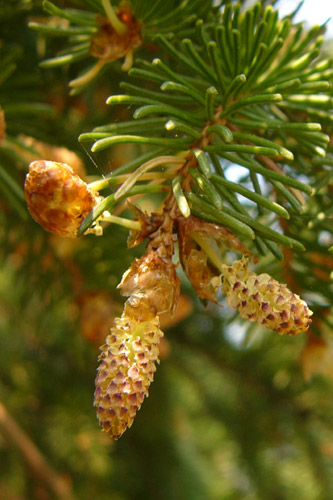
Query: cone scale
x=127, y=366
x=262, y=299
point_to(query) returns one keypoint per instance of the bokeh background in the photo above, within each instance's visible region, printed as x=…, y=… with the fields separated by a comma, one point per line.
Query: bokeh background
x=233, y=414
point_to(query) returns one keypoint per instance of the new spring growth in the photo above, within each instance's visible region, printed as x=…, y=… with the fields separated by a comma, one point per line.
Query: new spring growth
x=262, y=299
x=258, y=298
x=129, y=357
x=126, y=370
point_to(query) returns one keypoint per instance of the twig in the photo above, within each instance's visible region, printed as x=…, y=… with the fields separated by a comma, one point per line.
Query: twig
x=33, y=456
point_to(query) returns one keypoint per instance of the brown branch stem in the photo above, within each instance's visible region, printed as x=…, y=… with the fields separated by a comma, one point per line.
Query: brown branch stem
x=34, y=458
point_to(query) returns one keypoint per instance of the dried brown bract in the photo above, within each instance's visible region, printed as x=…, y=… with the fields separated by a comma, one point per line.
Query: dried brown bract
x=194, y=259
x=152, y=285
x=149, y=224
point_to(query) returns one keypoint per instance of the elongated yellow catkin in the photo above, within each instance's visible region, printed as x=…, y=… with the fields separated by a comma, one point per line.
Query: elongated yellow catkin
x=262, y=299
x=126, y=370
x=128, y=359
x=57, y=198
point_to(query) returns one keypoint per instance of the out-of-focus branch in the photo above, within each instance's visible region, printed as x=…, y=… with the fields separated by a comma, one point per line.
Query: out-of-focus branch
x=33, y=456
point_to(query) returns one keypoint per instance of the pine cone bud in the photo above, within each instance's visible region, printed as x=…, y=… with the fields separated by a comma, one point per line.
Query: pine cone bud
x=127, y=366
x=57, y=198
x=262, y=299
x=153, y=287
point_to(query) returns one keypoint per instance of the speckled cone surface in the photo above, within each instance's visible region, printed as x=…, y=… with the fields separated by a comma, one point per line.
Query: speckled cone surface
x=57, y=198
x=262, y=299
x=127, y=366
x=129, y=357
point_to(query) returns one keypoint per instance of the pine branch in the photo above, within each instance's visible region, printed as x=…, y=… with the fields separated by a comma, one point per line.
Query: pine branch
x=107, y=33
x=235, y=122
x=226, y=134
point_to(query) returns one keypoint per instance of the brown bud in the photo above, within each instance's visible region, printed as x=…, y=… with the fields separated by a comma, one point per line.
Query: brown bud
x=57, y=198
x=262, y=299
x=199, y=270
x=108, y=45
x=149, y=223
x=126, y=370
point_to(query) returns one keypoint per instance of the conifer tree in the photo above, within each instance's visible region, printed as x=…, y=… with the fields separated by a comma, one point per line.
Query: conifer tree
x=213, y=155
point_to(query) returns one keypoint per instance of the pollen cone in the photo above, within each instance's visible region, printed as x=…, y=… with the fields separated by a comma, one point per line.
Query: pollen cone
x=129, y=357
x=262, y=299
x=126, y=370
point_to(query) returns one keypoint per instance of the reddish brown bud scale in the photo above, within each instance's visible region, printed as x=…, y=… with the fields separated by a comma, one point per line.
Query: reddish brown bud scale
x=262, y=299
x=152, y=285
x=57, y=198
x=194, y=260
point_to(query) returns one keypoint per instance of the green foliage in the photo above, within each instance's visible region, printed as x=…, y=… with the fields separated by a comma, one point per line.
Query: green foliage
x=246, y=98
x=80, y=26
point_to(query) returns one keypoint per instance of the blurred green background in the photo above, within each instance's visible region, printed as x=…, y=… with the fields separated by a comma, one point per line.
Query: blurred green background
x=229, y=416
